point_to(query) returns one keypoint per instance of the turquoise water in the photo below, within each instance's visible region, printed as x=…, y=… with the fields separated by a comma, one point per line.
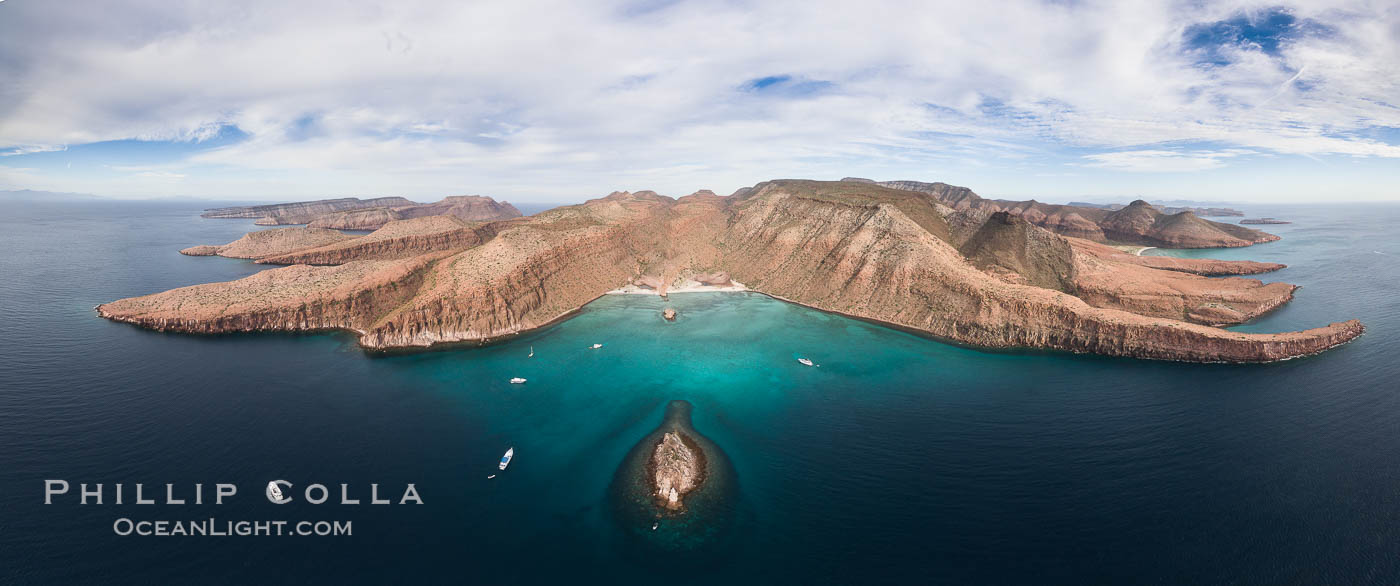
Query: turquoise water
x=899, y=459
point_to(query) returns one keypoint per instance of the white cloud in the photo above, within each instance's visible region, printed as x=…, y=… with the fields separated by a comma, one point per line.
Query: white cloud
x=1162, y=161
x=31, y=149
x=546, y=99
x=166, y=175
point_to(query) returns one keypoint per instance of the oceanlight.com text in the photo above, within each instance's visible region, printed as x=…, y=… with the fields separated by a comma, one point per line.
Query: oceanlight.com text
x=216, y=528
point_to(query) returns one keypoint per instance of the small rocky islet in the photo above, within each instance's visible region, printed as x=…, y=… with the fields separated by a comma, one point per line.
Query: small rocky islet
x=675, y=490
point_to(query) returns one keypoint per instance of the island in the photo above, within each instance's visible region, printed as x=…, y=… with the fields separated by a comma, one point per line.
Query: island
x=1264, y=221
x=930, y=258
x=675, y=489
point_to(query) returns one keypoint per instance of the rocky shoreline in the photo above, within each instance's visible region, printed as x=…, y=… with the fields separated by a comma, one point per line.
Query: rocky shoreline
x=907, y=258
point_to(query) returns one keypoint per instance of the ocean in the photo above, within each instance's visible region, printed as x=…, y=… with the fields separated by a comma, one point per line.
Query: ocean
x=900, y=459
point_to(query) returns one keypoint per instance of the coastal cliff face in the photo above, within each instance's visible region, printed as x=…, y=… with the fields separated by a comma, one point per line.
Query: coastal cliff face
x=396, y=240
x=1145, y=291
x=269, y=243
x=879, y=265
x=295, y=298
x=1137, y=223
x=952, y=270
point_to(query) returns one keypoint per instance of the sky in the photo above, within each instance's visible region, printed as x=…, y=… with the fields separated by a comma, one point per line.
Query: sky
x=543, y=101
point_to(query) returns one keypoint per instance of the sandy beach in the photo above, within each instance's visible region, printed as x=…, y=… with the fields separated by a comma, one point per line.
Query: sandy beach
x=687, y=286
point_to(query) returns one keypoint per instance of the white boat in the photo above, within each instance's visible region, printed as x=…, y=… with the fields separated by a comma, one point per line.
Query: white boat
x=517, y=381
x=805, y=361
x=532, y=352
x=274, y=490
x=505, y=460
x=596, y=346
x=490, y=477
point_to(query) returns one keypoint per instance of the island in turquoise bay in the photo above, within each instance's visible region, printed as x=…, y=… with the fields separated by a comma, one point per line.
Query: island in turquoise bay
x=675, y=490
x=925, y=257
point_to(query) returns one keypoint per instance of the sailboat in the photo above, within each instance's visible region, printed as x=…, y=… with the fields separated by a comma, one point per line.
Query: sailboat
x=596, y=346
x=505, y=460
x=805, y=361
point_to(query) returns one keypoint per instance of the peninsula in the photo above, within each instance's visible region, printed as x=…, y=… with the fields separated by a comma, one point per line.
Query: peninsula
x=367, y=214
x=927, y=257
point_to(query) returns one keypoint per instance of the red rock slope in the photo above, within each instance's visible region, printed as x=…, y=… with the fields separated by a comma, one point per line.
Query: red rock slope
x=1137, y=223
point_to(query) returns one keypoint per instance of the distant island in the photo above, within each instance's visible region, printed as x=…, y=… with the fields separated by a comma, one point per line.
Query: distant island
x=45, y=196
x=927, y=257
x=1264, y=221
x=366, y=214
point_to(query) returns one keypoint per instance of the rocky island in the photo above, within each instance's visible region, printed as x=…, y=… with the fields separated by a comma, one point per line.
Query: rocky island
x=676, y=488
x=1264, y=221
x=927, y=257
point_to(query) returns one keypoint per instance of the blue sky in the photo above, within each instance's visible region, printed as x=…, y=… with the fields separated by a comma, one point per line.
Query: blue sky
x=535, y=101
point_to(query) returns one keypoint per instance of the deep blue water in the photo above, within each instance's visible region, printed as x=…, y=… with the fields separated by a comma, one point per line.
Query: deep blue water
x=898, y=460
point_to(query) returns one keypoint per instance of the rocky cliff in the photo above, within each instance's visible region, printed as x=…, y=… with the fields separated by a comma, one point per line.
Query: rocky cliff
x=397, y=239
x=677, y=468
x=272, y=242
x=366, y=219
x=473, y=208
x=952, y=270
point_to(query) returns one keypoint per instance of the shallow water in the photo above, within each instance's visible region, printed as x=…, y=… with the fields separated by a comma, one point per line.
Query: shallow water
x=898, y=459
